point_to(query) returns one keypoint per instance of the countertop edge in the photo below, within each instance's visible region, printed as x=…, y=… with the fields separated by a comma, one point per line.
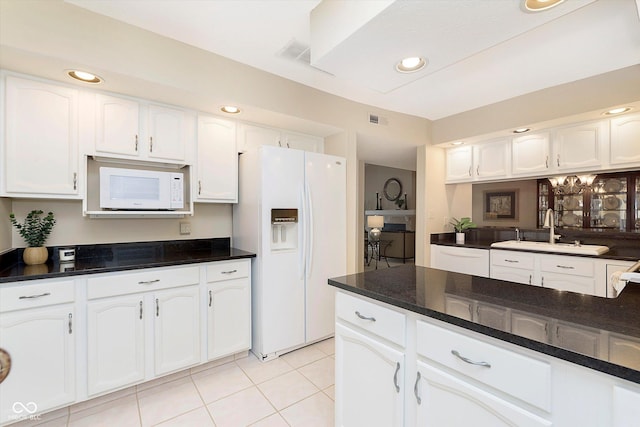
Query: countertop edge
x=618, y=371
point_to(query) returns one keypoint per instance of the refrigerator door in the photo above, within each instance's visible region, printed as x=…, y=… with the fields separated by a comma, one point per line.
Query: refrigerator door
x=326, y=193
x=282, y=306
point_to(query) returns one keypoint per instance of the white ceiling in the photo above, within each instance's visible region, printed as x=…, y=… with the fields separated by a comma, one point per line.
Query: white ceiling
x=479, y=51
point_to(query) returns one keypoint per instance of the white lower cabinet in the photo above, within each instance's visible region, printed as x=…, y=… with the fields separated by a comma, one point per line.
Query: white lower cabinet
x=228, y=308
x=626, y=407
x=115, y=323
x=369, y=381
x=448, y=400
x=460, y=260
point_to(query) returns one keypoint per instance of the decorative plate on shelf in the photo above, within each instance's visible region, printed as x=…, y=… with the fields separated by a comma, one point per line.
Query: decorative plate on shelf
x=570, y=203
x=612, y=186
x=611, y=202
x=570, y=219
x=611, y=219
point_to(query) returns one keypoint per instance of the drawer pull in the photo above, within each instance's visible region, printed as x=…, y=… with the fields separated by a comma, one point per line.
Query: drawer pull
x=210, y=298
x=46, y=294
x=395, y=377
x=373, y=319
x=415, y=389
x=140, y=310
x=469, y=361
x=157, y=307
x=148, y=282
x=530, y=279
x=70, y=318
x=568, y=267
x=511, y=260
x=230, y=272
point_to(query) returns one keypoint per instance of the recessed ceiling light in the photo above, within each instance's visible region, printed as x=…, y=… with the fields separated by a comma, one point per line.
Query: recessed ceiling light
x=617, y=111
x=230, y=109
x=84, y=76
x=540, y=5
x=457, y=143
x=522, y=130
x=411, y=64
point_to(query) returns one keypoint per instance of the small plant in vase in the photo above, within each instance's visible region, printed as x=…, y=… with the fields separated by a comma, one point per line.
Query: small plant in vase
x=461, y=226
x=34, y=230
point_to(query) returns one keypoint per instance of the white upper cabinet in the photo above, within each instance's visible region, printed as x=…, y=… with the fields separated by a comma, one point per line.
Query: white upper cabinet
x=491, y=159
x=459, y=164
x=251, y=137
x=580, y=147
x=530, y=154
x=126, y=128
x=217, y=161
x=625, y=141
x=40, y=149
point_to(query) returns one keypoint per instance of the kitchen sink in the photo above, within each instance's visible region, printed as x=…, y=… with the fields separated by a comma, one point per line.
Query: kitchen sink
x=565, y=248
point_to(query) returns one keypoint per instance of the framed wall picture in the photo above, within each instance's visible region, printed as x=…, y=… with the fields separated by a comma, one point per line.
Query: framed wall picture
x=500, y=204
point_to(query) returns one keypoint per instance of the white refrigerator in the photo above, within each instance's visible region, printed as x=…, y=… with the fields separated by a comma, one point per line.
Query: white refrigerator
x=291, y=212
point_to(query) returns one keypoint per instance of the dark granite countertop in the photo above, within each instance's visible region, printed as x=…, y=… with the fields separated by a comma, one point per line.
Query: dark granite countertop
x=104, y=258
x=423, y=290
x=622, y=246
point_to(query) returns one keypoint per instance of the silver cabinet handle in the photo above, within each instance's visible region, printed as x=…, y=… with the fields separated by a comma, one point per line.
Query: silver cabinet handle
x=75, y=180
x=136, y=146
x=542, y=282
x=558, y=160
x=415, y=389
x=46, y=294
x=478, y=170
x=199, y=187
x=140, y=310
x=395, y=377
x=151, y=144
x=70, y=318
x=469, y=361
x=530, y=279
x=511, y=260
x=373, y=319
x=210, y=298
x=567, y=267
x=157, y=308
x=546, y=162
x=470, y=170
x=148, y=282
x=230, y=272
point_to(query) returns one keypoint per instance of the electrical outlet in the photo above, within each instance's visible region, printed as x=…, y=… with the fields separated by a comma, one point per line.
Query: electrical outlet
x=185, y=228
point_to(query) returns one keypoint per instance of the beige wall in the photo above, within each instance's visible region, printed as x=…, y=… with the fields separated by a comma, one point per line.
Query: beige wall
x=526, y=204
x=5, y=225
x=375, y=178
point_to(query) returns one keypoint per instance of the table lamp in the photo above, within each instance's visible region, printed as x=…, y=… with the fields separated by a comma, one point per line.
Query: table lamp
x=375, y=222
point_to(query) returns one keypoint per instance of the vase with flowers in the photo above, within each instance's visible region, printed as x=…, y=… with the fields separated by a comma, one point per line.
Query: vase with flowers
x=34, y=230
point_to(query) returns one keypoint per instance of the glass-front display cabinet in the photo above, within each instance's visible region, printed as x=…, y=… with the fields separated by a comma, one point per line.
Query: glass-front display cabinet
x=610, y=202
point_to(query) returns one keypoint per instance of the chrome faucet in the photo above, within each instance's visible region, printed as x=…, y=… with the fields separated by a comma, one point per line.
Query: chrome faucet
x=549, y=223
x=517, y=234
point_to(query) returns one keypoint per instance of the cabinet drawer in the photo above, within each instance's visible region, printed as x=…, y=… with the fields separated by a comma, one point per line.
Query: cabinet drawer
x=519, y=376
x=36, y=295
x=141, y=281
x=512, y=259
x=374, y=318
x=574, y=266
x=226, y=270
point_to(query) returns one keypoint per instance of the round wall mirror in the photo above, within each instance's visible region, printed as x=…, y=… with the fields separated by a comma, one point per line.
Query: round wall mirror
x=392, y=189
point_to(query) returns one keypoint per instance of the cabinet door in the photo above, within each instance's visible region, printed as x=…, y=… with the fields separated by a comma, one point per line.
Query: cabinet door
x=166, y=138
x=625, y=134
x=176, y=329
x=117, y=126
x=41, y=344
x=369, y=381
x=459, y=164
x=577, y=339
x=252, y=137
x=568, y=282
x=579, y=148
x=303, y=142
x=459, y=307
x=217, y=161
x=512, y=274
x=491, y=159
x=528, y=326
x=530, y=154
x=229, y=318
x=492, y=316
x=460, y=260
x=624, y=351
x=445, y=400
x=116, y=343
x=41, y=145
x=626, y=407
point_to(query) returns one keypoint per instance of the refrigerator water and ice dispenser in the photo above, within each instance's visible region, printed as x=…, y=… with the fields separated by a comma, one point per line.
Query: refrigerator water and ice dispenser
x=284, y=229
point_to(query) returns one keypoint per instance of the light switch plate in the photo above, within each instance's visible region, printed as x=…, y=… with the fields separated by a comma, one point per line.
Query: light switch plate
x=185, y=228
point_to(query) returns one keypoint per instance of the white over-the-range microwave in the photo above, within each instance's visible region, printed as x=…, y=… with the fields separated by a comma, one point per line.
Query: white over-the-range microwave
x=141, y=190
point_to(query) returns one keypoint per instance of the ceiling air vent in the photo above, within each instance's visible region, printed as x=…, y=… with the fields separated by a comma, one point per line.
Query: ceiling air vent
x=377, y=120
x=296, y=51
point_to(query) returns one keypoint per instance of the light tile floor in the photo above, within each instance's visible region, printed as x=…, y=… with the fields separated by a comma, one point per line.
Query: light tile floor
x=297, y=389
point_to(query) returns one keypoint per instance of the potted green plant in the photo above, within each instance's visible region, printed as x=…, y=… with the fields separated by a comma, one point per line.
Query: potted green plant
x=461, y=226
x=34, y=230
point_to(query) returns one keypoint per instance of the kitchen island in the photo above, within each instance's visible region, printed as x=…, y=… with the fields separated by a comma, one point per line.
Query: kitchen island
x=436, y=345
